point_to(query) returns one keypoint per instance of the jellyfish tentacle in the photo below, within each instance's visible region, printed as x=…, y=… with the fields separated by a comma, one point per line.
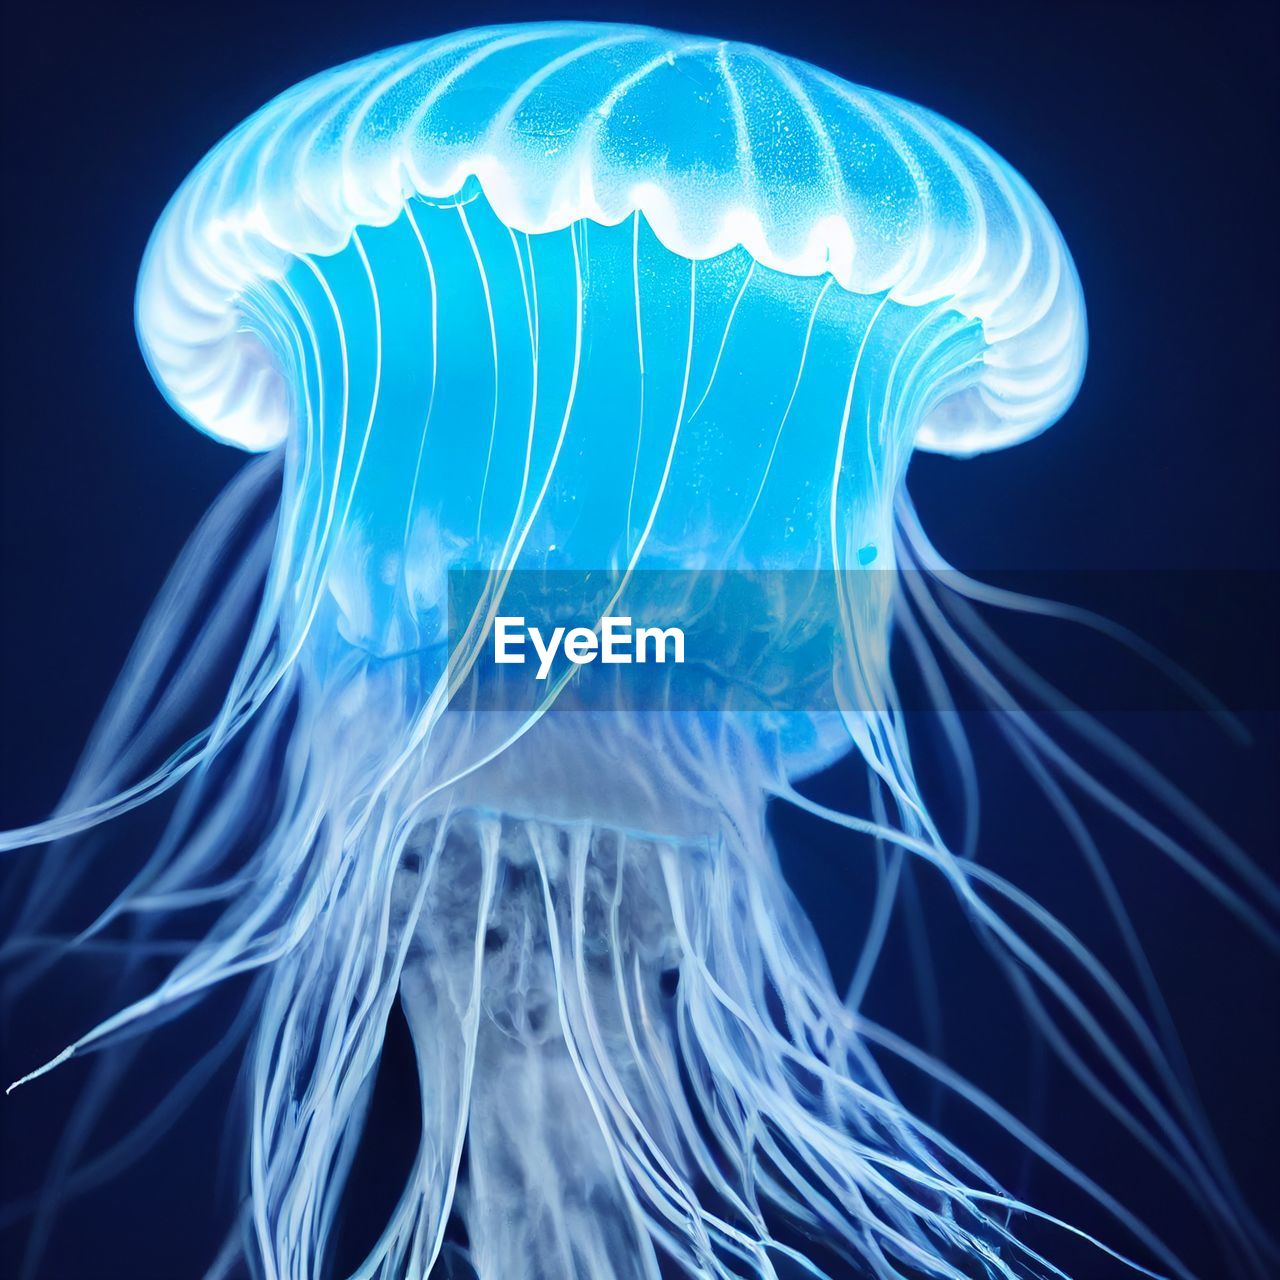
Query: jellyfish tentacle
x=635, y=466
x=434, y=345
x=493, y=345
x=160, y=641
x=947, y=715
x=990, y=1108
x=888, y=873
x=529, y=295
x=724, y=340
x=1111, y=746
x=1029, y=747
x=1005, y=938
x=124, y=749
x=866, y=1233
x=1168, y=1059
x=1156, y=837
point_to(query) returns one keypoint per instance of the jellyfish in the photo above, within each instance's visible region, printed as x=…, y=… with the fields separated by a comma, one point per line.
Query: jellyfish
x=608, y=317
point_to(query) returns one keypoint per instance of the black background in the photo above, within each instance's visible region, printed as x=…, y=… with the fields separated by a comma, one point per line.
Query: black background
x=1148, y=130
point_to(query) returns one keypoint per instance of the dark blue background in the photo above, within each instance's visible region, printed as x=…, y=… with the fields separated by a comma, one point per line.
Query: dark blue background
x=1148, y=130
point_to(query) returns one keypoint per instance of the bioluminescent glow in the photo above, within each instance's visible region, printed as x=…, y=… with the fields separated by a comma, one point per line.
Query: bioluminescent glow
x=582, y=298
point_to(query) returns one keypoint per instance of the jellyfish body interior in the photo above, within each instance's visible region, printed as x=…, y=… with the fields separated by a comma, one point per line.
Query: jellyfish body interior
x=512, y=312
x=602, y=968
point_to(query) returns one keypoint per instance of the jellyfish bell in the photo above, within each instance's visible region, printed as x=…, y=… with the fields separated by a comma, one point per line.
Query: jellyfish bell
x=459, y=202
x=717, y=146
x=567, y=308
x=585, y=296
